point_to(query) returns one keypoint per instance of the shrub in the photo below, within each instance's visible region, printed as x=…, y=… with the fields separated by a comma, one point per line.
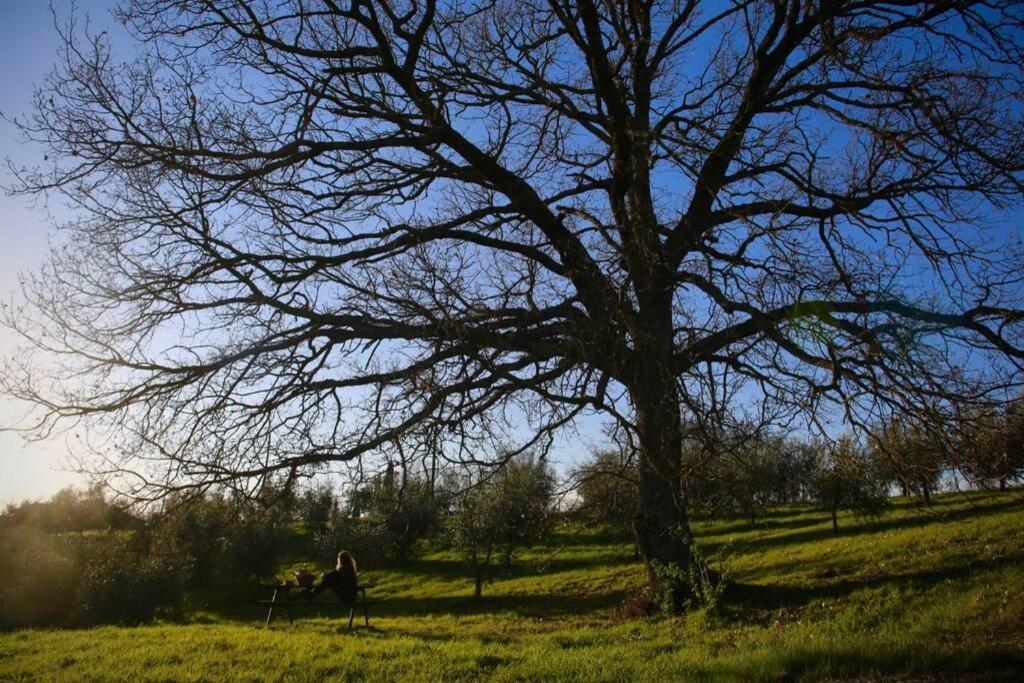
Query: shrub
x=39, y=578
x=122, y=587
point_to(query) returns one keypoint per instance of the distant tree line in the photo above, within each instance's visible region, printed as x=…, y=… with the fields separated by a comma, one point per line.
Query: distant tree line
x=745, y=472
x=82, y=559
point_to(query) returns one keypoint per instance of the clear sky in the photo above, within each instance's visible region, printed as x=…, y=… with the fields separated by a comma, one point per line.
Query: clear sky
x=28, y=49
x=28, y=43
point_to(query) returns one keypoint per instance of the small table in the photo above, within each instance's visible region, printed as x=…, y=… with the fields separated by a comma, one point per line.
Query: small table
x=283, y=596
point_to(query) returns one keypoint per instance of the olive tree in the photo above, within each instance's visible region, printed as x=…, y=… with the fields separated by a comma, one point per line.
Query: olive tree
x=498, y=512
x=848, y=476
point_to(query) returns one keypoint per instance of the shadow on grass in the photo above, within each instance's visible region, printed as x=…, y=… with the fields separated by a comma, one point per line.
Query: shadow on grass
x=932, y=663
x=243, y=606
x=860, y=527
x=803, y=515
x=532, y=606
x=775, y=596
x=550, y=605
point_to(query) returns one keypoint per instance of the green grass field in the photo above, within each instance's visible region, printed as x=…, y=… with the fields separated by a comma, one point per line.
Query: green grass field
x=913, y=595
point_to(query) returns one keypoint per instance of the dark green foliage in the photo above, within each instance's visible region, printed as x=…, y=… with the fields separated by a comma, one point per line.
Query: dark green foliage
x=119, y=586
x=70, y=510
x=384, y=521
x=82, y=579
x=315, y=506
x=38, y=578
x=215, y=537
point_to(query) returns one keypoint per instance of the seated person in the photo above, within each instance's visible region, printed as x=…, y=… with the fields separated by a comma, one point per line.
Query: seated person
x=342, y=581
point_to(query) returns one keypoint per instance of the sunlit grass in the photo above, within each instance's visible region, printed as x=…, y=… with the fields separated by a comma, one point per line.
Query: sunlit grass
x=910, y=594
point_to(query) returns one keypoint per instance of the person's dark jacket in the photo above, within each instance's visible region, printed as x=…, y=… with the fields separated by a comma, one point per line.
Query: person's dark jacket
x=343, y=584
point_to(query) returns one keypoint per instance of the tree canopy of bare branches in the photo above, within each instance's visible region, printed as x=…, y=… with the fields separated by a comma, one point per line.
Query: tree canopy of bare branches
x=310, y=230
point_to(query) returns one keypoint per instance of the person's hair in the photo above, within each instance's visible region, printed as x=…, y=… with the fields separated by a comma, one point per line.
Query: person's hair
x=346, y=562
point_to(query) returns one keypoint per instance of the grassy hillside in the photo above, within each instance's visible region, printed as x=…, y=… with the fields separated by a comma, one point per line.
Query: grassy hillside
x=910, y=595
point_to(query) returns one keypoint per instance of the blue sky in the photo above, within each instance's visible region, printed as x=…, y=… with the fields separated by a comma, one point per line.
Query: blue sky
x=28, y=49
x=28, y=44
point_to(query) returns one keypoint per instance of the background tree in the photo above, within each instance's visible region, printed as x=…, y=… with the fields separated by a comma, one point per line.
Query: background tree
x=524, y=490
x=498, y=513
x=474, y=528
x=993, y=449
x=847, y=476
x=606, y=486
x=914, y=455
x=316, y=505
x=312, y=231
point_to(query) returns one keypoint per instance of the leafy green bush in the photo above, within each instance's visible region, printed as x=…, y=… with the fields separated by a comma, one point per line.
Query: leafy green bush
x=218, y=538
x=121, y=587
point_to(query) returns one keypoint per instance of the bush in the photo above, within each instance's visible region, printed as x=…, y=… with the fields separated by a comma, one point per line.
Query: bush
x=70, y=510
x=81, y=579
x=39, y=579
x=218, y=538
x=121, y=587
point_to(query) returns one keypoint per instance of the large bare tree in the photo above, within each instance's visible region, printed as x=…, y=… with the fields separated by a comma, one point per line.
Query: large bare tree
x=309, y=230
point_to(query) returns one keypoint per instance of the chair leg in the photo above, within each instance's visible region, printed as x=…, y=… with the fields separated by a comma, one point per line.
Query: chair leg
x=270, y=612
x=351, y=616
x=366, y=613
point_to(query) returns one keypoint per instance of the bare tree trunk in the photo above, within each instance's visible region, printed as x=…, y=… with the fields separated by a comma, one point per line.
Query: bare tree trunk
x=835, y=517
x=478, y=581
x=661, y=524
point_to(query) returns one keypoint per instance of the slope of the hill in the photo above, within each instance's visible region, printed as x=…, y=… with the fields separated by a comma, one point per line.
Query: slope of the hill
x=912, y=595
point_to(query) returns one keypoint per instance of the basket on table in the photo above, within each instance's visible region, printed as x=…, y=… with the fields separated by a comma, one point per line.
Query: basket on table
x=305, y=578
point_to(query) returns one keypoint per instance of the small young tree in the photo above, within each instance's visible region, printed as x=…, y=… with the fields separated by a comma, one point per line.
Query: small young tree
x=993, y=448
x=494, y=516
x=847, y=476
x=410, y=513
x=524, y=489
x=913, y=456
x=473, y=529
x=607, y=488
